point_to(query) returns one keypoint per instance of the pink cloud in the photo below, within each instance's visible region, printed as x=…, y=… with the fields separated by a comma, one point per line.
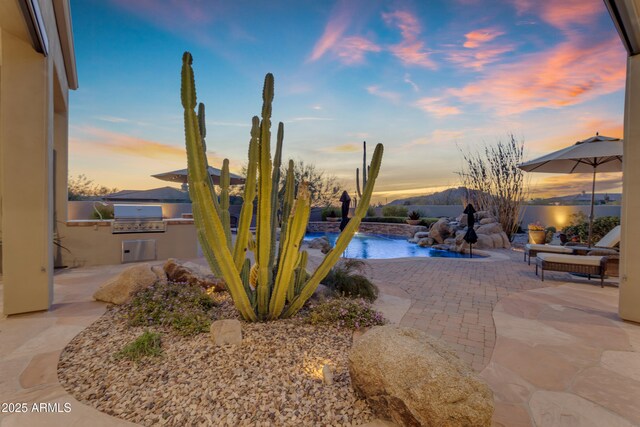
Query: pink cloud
x=351, y=50
x=410, y=50
x=478, y=58
x=92, y=138
x=478, y=37
x=436, y=107
x=333, y=32
x=568, y=74
x=562, y=14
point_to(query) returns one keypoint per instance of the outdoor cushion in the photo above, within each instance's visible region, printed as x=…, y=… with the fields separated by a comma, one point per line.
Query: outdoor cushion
x=571, y=259
x=549, y=248
x=610, y=239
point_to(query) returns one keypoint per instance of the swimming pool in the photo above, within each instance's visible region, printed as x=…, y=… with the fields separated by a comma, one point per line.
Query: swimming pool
x=376, y=246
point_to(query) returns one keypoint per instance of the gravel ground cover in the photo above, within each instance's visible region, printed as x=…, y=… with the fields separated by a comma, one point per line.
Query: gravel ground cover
x=273, y=378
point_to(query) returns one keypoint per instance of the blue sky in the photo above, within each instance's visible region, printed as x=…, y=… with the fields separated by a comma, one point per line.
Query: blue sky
x=424, y=78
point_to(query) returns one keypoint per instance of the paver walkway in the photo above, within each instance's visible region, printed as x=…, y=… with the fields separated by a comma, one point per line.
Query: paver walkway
x=453, y=299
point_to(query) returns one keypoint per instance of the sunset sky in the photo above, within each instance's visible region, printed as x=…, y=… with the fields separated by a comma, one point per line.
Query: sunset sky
x=425, y=78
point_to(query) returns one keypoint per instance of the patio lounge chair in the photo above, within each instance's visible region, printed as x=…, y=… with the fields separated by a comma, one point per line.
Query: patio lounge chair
x=608, y=242
x=588, y=264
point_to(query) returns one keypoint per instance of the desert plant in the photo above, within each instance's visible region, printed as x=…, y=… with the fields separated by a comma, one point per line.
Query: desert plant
x=365, y=170
x=346, y=279
x=149, y=344
x=549, y=233
x=578, y=230
x=330, y=212
x=102, y=212
x=184, y=308
x=535, y=226
x=495, y=183
x=394, y=210
x=263, y=290
x=414, y=215
x=371, y=211
x=346, y=313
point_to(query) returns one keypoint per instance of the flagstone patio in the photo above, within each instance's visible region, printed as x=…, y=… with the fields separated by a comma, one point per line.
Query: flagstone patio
x=554, y=353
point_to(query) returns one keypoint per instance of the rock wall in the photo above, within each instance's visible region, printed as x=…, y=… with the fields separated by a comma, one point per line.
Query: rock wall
x=404, y=230
x=448, y=234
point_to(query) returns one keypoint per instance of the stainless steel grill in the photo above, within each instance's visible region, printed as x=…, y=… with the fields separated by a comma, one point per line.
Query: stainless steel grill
x=137, y=219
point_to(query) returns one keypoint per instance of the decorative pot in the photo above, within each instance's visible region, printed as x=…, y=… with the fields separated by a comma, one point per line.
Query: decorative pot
x=537, y=236
x=413, y=221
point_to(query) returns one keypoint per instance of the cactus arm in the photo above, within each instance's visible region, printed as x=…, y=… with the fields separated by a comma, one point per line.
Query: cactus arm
x=300, y=272
x=343, y=239
x=224, y=201
x=286, y=205
x=295, y=232
x=243, y=234
x=275, y=183
x=358, y=182
x=263, y=225
x=209, y=223
x=202, y=125
x=364, y=164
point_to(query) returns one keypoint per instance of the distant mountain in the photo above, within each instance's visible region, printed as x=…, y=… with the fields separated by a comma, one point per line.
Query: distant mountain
x=450, y=196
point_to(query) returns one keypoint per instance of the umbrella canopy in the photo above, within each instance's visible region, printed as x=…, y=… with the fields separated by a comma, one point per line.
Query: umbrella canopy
x=598, y=152
x=593, y=155
x=181, y=176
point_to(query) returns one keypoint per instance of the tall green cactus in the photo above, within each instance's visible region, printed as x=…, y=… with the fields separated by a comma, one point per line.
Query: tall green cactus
x=291, y=285
x=365, y=169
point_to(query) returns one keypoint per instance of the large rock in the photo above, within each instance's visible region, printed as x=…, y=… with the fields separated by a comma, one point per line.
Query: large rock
x=227, y=331
x=488, y=220
x=440, y=230
x=492, y=228
x=484, y=242
x=160, y=274
x=120, y=289
x=497, y=240
x=421, y=235
x=321, y=243
x=415, y=380
x=193, y=274
x=426, y=241
x=505, y=240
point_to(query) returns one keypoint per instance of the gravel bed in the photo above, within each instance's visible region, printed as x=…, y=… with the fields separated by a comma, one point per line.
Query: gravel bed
x=273, y=378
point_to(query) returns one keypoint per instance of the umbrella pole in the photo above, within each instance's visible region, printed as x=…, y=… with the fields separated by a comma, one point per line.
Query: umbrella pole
x=593, y=195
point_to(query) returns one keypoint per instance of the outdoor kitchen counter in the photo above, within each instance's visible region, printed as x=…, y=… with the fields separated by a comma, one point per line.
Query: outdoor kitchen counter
x=94, y=242
x=108, y=222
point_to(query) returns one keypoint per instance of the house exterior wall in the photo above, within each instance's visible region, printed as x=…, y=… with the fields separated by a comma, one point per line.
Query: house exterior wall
x=629, y=306
x=33, y=119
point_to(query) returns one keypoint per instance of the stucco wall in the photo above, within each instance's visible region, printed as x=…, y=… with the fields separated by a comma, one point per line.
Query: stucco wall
x=405, y=230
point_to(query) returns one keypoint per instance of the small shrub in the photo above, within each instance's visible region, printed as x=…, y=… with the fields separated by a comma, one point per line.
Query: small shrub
x=549, y=232
x=371, y=211
x=344, y=279
x=578, y=230
x=346, y=313
x=186, y=308
x=146, y=345
x=106, y=212
x=331, y=212
x=394, y=210
x=414, y=215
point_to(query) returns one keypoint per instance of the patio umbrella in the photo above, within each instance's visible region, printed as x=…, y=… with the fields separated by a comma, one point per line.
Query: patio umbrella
x=593, y=155
x=181, y=176
x=470, y=236
x=346, y=202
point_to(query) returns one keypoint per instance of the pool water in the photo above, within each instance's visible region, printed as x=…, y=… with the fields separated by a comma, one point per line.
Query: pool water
x=376, y=246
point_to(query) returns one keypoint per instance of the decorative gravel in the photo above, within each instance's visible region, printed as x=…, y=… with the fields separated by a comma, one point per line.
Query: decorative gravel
x=273, y=378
